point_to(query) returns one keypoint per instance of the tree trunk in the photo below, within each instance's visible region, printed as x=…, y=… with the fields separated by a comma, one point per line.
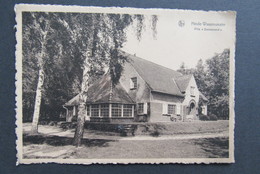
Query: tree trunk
x=81, y=109
x=80, y=125
x=37, y=104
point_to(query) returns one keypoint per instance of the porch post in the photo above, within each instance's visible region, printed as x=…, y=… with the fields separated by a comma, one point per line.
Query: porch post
x=110, y=110
x=122, y=110
x=133, y=109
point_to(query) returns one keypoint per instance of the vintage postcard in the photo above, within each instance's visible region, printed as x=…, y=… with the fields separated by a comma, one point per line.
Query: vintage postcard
x=116, y=85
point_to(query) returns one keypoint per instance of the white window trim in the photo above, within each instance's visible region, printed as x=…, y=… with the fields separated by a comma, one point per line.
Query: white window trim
x=165, y=108
x=110, y=110
x=132, y=85
x=133, y=107
x=145, y=108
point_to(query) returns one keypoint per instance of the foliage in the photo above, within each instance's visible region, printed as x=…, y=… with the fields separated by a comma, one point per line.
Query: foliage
x=66, y=44
x=212, y=78
x=203, y=117
x=210, y=117
x=218, y=89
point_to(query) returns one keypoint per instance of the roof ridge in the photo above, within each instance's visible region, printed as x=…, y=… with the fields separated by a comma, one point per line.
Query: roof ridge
x=156, y=76
x=134, y=56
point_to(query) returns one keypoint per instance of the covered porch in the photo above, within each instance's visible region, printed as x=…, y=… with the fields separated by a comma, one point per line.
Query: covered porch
x=104, y=102
x=110, y=112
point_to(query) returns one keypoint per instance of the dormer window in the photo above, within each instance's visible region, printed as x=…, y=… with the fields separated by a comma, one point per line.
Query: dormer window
x=133, y=83
x=192, y=89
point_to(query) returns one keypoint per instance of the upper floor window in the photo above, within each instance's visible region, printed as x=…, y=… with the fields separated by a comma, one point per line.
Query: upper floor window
x=192, y=89
x=133, y=83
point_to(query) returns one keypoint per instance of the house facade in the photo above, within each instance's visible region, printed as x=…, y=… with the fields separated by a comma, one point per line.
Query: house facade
x=146, y=92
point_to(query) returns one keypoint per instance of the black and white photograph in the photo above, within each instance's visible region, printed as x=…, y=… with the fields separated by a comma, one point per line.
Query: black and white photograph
x=124, y=85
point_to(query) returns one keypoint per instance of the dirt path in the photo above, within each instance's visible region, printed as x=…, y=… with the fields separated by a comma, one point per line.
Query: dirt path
x=53, y=142
x=90, y=134
x=179, y=137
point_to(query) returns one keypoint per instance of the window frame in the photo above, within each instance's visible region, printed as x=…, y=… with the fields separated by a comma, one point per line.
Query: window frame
x=127, y=110
x=173, y=109
x=116, y=110
x=95, y=109
x=104, y=110
x=133, y=83
x=140, y=105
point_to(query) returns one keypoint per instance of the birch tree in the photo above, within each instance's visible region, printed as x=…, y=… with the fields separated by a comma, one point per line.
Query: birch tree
x=45, y=53
x=42, y=27
x=66, y=47
x=109, y=34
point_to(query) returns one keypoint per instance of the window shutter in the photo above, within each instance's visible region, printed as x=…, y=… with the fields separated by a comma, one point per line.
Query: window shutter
x=145, y=108
x=178, y=109
x=74, y=110
x=131, y=84
x=165, y=108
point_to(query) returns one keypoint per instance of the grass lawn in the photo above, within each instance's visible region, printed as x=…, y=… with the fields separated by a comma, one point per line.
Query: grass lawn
x=172, y=128
x=52, y=146
x=201, y=148
x=53, y=142
x=43, y=147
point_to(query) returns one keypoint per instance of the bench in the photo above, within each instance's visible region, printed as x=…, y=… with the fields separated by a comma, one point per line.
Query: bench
x=127, y=129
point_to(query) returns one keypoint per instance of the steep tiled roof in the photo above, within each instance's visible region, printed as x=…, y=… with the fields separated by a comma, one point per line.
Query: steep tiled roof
x=99, y=92
x=159, y=78
x=183, y=82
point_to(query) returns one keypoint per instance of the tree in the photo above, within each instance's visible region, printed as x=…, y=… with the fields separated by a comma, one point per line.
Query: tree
x=47, y=61
x=212, y=78
x=43, y=29
x=200, y=76
x=218, y=88
x=108, y=36
x=184, y=70
x=67, y=50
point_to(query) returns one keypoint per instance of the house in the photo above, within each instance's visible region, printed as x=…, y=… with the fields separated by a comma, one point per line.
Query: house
x=146, y=92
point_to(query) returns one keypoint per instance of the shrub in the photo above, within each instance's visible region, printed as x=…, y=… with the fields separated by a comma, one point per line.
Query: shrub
x=210, y=117
x=203, y=117
x=53, y=123
x=213, y=117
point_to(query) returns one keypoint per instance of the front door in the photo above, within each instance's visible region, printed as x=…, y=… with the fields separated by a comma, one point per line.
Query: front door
x=192, y=109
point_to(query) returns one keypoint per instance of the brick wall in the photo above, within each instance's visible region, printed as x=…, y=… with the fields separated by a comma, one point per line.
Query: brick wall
x=156, y=113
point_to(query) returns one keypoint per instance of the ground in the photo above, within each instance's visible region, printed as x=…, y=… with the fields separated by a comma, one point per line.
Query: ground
x=53, y=142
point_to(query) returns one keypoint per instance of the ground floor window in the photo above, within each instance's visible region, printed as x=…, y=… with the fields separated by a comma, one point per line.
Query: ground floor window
x=116, y=110
x=127, y=112
x=171, y=109
x=94, y=110
x=104, y=110
x=140, y=108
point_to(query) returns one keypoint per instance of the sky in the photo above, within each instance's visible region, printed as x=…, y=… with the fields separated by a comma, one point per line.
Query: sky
x=175, y=44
